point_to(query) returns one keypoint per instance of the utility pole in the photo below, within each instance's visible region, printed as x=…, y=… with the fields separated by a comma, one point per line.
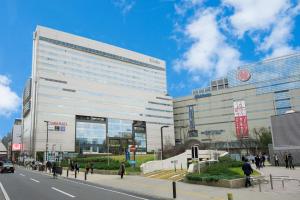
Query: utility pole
x=47, y=123
x=162, y=144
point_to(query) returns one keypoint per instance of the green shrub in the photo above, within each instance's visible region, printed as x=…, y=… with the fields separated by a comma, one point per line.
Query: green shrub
x=218, y=171
x=98, y=163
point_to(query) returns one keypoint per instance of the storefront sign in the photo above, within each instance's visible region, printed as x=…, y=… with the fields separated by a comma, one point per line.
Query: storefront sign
x=241, y=120
x=57, y=126
x=16, y=147
x=199, y=96
x=243, y=75
x=213, y=132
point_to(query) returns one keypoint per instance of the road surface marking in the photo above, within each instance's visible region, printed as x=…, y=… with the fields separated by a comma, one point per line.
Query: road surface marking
x=35, y=180
x=22, y=174
x=4, y=192
x=175, y=176
x=109, y=190
x=101, y=188
x=53, y=188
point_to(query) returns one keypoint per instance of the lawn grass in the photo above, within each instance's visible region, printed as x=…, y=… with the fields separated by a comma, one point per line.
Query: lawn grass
x=140, y=158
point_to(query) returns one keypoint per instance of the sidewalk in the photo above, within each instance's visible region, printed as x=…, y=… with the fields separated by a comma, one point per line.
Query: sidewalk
x=163, y=188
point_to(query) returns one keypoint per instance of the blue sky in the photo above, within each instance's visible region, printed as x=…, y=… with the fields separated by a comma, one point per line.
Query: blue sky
x=199, y=39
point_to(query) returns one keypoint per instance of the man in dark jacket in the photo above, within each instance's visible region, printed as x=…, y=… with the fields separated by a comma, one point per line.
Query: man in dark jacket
x=122, y=170
x=247, y=171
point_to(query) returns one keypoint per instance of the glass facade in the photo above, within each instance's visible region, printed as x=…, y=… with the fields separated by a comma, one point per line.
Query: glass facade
x=119, y=128
x=271, y=75
x=93, y=134
x=91, y=137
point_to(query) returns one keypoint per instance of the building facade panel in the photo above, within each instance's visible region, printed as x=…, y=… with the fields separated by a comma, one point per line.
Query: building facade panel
x=266, y=88
x=89, y=91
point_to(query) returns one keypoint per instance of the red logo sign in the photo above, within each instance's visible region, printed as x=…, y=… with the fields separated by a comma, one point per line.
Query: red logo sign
x=243, y=75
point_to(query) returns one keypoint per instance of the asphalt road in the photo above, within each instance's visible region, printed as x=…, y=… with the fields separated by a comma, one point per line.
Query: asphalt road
x=29, y=185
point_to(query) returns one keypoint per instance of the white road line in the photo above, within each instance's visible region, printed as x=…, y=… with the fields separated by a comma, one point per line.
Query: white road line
x=175, y=176
x=101, y=188
x=109, y=190
x=35, y=180
x=4, y=192
x=53, y=188
x=22, y=174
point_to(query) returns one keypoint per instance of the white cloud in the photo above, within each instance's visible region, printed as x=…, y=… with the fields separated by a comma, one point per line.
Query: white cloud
x=124, y=5
x=215, y=33
x=9, y=100
x=269, y=24
x=251, y=15
x=182, y=7
x=209, y=52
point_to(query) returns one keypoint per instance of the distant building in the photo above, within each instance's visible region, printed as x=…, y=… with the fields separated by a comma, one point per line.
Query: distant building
x=286, y=136
x=16, y=144
x=225, y=114
x=95, y=97
x=3, y=151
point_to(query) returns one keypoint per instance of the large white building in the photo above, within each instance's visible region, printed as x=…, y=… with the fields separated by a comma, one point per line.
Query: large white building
x=90, y=94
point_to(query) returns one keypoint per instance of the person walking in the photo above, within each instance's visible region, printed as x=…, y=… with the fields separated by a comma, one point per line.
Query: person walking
x=286, y=160
x=290, y=161
x=87, y=168
x=122, y=170
x=76, y=168
x=247, y=171
x=92, y=168
x=257, y=162
x=54, y=170
x=263, y=160
x=276, y=159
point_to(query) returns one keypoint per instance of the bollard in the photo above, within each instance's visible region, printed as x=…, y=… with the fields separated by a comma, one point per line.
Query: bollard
x=229, y=195
x=85, y=175
x=259, y=185
x=271, y=181
x=174, y=190
x=75, y=173
x=67, y=173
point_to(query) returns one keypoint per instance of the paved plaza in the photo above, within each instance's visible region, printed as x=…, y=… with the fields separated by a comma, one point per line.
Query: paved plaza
x=163, y=188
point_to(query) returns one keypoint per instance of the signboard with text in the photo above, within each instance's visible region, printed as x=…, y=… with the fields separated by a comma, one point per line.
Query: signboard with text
x=57, y=126
x=241, y=120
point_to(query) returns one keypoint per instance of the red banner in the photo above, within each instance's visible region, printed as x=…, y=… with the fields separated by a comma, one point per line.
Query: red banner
x=241, y=120
x=16, y=147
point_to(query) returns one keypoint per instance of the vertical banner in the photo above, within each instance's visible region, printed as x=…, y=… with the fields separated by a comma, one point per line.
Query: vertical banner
x=191, y=117
x=241, y=120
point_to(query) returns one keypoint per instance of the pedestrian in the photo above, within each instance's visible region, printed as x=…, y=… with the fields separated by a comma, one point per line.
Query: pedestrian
x=72, y=165
x=257, y=162
x=290, y=160
x=286, y=160
x=92, y=168
x=54, y=170
x=247, y=171
x=263, y=159
x=87, y=168
x=276, y=159
x=122, y=169
x=76, y=168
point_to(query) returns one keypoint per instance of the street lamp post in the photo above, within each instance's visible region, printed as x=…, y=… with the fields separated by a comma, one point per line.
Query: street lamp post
x=47, y=122
x=162, y=144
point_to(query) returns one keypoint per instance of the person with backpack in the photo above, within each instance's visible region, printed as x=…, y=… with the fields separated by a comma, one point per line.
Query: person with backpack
x=247, y=171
